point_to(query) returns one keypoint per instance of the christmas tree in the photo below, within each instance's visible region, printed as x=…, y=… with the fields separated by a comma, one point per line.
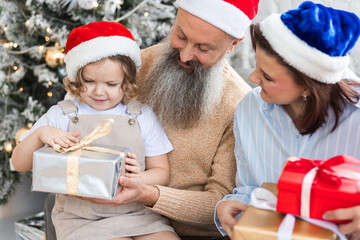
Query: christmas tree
x=33, y=35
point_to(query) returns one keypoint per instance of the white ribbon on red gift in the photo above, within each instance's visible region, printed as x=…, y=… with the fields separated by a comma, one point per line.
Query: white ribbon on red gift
x=264, y=199
x=323, y=170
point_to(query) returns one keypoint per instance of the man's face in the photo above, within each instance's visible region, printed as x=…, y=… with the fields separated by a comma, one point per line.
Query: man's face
x=181, y=96
x=198, y=40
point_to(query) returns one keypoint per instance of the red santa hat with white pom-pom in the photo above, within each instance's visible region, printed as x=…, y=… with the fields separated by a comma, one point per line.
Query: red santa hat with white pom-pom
x=98, y=40
x=231, y=16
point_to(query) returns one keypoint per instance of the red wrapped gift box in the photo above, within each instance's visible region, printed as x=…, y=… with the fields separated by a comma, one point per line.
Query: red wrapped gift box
x=335, y=185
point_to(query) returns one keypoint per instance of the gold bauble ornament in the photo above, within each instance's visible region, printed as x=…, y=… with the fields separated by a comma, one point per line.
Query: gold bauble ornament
x=22, y=131
x=8, y=147
x=54, y=58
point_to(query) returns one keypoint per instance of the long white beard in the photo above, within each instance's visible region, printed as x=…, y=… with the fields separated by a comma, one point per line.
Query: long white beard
x=213, y=90
x=181, y=98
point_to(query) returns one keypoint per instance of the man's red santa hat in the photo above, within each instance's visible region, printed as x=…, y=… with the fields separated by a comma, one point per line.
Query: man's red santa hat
x=231, y=16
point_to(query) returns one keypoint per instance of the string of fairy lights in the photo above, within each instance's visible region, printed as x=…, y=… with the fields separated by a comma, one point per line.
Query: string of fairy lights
x=54, y=57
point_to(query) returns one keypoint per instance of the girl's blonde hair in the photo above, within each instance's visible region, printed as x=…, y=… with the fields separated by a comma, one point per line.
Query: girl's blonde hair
x=129, y=86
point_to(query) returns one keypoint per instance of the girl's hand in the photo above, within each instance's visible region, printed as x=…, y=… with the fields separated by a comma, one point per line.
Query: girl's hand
x=50, y=136
x=132, y=166
x=22, y=156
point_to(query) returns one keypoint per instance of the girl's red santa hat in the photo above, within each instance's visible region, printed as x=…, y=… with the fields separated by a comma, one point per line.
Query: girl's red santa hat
x=98, y=40
x=231, y=16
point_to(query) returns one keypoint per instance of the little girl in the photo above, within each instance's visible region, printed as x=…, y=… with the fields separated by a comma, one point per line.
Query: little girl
x=101, y=61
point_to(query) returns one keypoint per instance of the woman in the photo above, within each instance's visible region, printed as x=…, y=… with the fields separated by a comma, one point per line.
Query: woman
x=304, y=107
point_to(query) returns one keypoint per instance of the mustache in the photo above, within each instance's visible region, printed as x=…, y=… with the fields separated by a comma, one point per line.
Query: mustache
x=175, y=56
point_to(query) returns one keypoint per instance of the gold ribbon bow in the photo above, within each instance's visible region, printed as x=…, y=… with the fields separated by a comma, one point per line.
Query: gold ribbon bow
x=72, y=172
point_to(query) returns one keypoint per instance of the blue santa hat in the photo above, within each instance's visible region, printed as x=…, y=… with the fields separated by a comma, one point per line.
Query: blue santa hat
x=314, y=39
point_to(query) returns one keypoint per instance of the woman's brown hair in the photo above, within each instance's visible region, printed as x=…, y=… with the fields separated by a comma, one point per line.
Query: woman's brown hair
x=321, y=95
x=129, y=86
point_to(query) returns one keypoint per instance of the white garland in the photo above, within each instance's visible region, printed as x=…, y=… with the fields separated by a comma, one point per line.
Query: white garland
x=29, y=112
x=44, y=75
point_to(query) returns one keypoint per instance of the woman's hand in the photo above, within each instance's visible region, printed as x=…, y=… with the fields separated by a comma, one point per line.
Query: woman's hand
x=227, y=211
x=352, y=228
x=353, y=214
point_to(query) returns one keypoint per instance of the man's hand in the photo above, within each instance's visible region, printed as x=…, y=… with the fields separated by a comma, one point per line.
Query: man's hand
x=130, y=192
x=133, y=190
x=227, y=212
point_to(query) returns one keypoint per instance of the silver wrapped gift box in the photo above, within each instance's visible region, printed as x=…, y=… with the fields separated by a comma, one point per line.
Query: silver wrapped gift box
x=81, y=173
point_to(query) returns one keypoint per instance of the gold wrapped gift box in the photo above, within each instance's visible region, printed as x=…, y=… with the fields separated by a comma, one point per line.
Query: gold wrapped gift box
x=257, y=224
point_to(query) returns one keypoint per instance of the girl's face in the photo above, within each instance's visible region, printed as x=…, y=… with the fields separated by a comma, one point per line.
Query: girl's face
x=102, y=82
x=278, y=85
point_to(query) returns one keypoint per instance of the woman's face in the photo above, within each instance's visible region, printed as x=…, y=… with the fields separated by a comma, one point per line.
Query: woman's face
x=278, y=85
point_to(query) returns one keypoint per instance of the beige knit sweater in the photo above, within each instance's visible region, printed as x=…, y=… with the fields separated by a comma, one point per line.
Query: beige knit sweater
x=202, y=163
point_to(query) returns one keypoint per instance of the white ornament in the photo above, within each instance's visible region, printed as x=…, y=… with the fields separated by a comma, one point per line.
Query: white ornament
x=71, y=4
x=87, y=4
x=111, y=6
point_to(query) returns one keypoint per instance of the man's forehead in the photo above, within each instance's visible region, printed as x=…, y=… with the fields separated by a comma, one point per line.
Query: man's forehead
x=205, y=41
x=195, y=21
x=193, y=26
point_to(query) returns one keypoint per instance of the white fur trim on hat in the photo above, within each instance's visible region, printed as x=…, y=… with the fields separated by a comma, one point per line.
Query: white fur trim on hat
x=219, y=13
x=300, y=55
x=99, y=48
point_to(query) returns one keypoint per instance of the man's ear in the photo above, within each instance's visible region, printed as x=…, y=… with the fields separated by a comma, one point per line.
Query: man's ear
x=233, y=45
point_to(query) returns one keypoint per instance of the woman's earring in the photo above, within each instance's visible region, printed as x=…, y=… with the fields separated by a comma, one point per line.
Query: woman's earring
x=305, y=98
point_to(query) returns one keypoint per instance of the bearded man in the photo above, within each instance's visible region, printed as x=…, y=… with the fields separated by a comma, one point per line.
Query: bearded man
x=194, y=92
